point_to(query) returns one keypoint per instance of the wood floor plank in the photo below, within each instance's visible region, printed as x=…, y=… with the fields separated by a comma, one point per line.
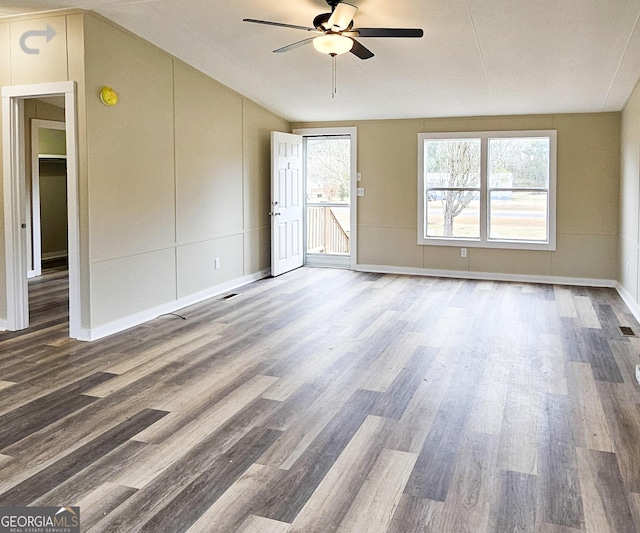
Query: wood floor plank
x=587, y=316
x=488, y=408
x=396, y=397
x=564, y=302
x=259, y=524
x=623, y=417
x=232, y=511
x=434, y=468
x=6, y=384
x=559, y=484
x=415, y=514
x=603, y=362
x=589, y=421
x=309, y=423
x=421, y=412
x=378, y=498
x=308, y=471
x=606, y=506
x=519, y=437
x=97, y=474
x=329, y=503
x=194, y=500
x=160, y=456
x=97, y=504
x=515, y=508
x=634, y=502
x=34, y=487
x=162, y=488
x=467, y=508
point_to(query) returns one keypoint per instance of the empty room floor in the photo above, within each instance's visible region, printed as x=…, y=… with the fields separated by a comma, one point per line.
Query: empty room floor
x=330, y=400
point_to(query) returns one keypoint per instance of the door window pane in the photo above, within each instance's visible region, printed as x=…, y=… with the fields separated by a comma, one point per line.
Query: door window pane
x=328, y=170
x=328, y=186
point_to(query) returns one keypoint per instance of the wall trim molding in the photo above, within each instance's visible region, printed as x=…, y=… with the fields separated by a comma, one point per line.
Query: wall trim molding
x=487, y=276
x=136, y=319
x=629, y=300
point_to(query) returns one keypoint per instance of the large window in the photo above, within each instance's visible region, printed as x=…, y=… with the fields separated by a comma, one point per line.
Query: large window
x=487, y=189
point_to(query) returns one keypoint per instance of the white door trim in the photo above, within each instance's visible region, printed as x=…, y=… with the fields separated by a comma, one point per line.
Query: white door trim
x=353, y=133
x=15, y=200
x=35, y=260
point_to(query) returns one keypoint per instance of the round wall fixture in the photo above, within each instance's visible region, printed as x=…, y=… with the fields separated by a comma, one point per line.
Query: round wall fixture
x=108, y=96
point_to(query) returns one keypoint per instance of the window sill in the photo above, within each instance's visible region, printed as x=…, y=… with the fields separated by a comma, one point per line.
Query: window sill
x=492, y=244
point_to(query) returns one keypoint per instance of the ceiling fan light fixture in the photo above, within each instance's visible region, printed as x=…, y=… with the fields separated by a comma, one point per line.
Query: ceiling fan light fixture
x=333, y=44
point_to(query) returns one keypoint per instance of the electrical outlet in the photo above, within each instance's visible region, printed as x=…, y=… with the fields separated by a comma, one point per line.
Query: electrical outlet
x=463, y=252
x=216, y=263
x=360, y=191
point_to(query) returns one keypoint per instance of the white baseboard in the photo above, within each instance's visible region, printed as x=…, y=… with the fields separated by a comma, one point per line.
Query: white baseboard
x=487, y=276
x=629, y=300
x=136, y=319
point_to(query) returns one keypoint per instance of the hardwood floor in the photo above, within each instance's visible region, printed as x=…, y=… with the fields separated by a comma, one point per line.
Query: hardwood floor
x=329, y=400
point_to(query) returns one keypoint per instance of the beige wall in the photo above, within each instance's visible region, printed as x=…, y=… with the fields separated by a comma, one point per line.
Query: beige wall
x=53, y=208
x=630, y=198
x=172, y=171
x=587, y=197
x=174, y=176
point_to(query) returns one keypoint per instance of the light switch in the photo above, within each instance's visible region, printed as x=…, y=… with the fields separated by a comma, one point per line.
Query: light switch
x=360, y=191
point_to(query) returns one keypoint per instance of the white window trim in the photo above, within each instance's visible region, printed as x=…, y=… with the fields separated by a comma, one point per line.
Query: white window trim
x=484, y=241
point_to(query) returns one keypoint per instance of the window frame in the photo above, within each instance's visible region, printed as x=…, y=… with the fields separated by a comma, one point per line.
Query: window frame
x=484, y=241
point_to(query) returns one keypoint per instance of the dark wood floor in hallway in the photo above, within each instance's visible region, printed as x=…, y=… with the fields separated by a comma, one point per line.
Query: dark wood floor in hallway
x=333, y=401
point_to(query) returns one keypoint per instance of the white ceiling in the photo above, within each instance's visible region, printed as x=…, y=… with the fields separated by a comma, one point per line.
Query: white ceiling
x=478, y=57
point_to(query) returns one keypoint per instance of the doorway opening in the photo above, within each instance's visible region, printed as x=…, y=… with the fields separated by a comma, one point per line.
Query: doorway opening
x=47, y=226
x=33, y=158
x=330, y=206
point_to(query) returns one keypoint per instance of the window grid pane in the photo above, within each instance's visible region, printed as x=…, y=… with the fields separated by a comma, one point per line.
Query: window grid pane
x=515, y=215
x=452, y=188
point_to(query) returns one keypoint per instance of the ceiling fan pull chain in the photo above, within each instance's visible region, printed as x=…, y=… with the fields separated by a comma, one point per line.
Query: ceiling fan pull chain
x=333, y=76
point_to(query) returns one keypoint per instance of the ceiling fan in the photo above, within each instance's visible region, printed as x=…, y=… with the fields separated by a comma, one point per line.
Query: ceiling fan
x=337, y=34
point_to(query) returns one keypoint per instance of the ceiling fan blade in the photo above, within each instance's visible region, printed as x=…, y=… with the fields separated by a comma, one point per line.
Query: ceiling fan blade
x=360, y=51
x=387, y=32
x=282, y=25
x=294, y=45
x=341, y=17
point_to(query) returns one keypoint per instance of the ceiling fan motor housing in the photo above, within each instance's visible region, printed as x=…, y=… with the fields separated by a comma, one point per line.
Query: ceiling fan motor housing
x=320, y=22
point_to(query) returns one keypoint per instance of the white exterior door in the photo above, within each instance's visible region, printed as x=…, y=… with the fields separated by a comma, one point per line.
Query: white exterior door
x=286, y=203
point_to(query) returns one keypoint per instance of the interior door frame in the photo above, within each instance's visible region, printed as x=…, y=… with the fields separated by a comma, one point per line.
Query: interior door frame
x=353, y=133
x=35, y=232
x=15, y=200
